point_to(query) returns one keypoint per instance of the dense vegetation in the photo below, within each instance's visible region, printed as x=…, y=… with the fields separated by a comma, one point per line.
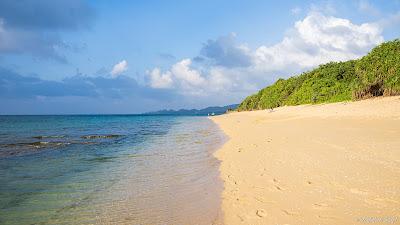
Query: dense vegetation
x=375, y=74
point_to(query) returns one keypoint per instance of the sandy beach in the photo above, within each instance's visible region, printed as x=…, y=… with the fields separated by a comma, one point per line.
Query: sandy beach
x=313, y=164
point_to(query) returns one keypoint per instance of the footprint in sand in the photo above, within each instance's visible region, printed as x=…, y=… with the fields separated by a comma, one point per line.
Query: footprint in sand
x=326, y=217
x=290, y=213
x=321, y=206
x=264, y=201
x=276, y=186
x=129, y=218
x=279, y=188
x=240, y=217
x=261, y=213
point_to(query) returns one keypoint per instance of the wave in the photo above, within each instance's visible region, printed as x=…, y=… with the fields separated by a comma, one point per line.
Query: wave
x=101, y=136
x=50, y=136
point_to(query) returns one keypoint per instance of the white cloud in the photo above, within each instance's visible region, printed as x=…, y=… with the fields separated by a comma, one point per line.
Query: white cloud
x=218, y=81
x=314, y=40
x=119, y=68
x=188, y=76
x=319, y=39
x=180, y=76
x=160, y=80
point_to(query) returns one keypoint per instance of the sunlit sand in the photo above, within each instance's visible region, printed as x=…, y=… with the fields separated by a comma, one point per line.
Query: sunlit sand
x=313, y=164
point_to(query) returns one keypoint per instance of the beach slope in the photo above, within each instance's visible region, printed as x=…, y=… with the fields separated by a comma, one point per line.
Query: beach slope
x=313, y=164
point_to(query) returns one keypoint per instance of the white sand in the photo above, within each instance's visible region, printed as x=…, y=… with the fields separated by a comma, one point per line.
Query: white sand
x=314, y=164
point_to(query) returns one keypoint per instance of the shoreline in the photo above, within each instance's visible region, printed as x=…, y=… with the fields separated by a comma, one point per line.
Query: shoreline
x=335, y=163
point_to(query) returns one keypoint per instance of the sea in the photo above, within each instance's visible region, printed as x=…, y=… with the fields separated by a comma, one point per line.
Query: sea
x=109, y=169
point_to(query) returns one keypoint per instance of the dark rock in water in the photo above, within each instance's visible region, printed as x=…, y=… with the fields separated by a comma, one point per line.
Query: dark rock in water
x=102, y=159
x=28, y=147
x=36, y=144
x=101, y=136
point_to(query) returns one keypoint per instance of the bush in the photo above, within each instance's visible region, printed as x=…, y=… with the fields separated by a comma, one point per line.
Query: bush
x=375, y=74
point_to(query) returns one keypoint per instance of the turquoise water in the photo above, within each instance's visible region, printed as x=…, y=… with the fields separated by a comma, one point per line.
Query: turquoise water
x=109, y=170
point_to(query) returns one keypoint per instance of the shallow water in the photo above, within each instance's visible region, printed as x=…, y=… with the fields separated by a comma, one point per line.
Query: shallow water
x=109, y=170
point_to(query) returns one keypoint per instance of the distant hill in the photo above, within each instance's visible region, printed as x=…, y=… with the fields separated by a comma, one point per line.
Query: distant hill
x=375, y=74
x=217, y=110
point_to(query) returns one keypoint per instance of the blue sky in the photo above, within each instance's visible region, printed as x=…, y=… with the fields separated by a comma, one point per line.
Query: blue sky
x=75, y=56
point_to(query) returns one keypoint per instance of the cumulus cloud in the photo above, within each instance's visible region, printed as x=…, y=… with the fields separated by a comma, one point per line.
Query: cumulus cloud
x=319, y=39
x=184, y=78
x=188, y=76
x=160, y=80
x=180, y=76
x=239, y=70
x=119, y=68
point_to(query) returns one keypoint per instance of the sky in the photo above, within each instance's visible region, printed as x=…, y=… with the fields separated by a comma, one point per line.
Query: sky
x=111, y=57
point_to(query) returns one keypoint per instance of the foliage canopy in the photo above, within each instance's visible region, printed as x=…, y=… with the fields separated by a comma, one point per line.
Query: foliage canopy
x=376, y=74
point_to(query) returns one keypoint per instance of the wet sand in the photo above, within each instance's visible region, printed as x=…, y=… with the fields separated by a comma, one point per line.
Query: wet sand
x=176, y=182
x=313, y=164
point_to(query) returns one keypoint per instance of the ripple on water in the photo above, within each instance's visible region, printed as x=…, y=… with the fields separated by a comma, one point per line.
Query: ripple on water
x=163, y=175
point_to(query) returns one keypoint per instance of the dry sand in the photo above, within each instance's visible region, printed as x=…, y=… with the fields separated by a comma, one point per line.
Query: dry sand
x=313, y=164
